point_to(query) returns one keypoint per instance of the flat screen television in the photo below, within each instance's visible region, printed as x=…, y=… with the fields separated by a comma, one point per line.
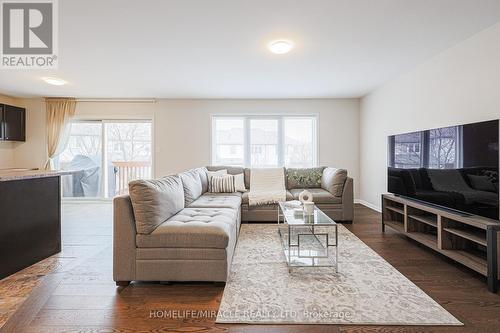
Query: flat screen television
x=454, y=167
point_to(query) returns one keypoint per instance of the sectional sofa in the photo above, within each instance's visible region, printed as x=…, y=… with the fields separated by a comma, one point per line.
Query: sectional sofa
x=173, y=229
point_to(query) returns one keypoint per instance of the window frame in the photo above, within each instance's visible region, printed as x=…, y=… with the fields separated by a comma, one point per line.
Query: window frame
x=425, y=148
x=246, y=118
x=104, y=157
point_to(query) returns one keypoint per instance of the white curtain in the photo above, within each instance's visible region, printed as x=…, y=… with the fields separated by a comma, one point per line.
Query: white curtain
x=59, y=112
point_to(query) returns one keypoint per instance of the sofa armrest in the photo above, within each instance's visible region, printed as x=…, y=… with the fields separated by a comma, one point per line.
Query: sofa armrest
x=348, y=200
x=124, y=232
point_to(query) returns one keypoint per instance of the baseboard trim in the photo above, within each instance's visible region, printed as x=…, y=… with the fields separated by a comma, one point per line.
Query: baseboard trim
x=369, y=205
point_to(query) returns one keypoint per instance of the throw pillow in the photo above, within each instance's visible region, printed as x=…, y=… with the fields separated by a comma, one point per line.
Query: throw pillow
x=447, y=180
x=155, y=201
x=304, y=178
x=211, y=174
x=222, y=184
x=192, y=186
x=204, y=179
x=333, y=181
x=482, y=183
x=239, y=183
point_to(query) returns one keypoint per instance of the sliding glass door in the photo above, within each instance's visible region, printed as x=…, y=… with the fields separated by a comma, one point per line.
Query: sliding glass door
x=82, y=158
x=101, y=157
x=128, y=150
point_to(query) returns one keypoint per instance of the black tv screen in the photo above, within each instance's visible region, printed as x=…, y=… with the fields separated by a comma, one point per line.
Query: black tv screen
x=455, y=167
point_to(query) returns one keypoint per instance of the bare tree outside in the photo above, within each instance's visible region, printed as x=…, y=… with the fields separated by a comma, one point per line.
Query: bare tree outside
x=441, y=149
x=84, y=139
x=129, y=141
x=442, y=152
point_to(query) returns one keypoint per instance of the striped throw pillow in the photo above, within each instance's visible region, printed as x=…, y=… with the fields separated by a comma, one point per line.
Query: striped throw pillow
x=222, y=184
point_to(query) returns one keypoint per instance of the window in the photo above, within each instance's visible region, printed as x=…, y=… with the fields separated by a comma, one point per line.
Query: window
x=407, y=151
x=299, y=141
x=264, y=141
x=229, y=138
x=101, y=157
x=443, y=148
x=434, y=149
x=82, y=157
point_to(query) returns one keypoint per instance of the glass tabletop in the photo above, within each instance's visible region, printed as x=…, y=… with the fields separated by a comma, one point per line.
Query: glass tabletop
x=296, y=216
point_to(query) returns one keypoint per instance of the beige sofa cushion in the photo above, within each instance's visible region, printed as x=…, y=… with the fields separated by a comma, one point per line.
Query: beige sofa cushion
x=319, y=195
x=234, y=171
x=179, y=253
x=155, y=201
x=203, y=177
x=231, y=170
x=244, y=198
x=194, y=228
x=218, y=200
x=333, y=180
x=191, y=183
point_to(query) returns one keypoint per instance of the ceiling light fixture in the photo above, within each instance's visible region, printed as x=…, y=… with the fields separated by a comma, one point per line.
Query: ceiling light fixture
x=54, y=81
x=281, y=46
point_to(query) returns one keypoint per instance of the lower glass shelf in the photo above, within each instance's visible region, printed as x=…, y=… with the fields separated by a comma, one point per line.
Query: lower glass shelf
x=307, y=249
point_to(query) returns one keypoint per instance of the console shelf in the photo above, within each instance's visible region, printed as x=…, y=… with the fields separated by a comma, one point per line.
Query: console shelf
x=396, y=210
x=424, y=238
x=467, y=239
x=395, y=225
x=427, y=219
x=476, y=237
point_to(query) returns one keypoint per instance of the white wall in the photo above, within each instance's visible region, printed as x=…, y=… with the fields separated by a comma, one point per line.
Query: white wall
x=186, y=126
x=182, y=128
x=7, y=148
x=460, y=85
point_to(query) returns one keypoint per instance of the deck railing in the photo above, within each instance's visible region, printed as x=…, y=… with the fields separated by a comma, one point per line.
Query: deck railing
x=130, y=170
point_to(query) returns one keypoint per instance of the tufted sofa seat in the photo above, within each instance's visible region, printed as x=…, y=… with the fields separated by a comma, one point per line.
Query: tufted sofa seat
x=194, y=228
x=217, y=200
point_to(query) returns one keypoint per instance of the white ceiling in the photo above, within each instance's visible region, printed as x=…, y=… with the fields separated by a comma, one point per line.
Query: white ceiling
x=217, y=49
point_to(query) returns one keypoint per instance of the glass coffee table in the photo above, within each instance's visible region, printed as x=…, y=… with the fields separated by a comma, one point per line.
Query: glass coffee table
x=307, y=240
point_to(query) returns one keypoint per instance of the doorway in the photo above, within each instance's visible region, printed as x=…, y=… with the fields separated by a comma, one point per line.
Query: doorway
x=103, y=156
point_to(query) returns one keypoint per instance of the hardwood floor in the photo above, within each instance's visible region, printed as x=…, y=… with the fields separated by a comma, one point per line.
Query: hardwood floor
x=80, y=296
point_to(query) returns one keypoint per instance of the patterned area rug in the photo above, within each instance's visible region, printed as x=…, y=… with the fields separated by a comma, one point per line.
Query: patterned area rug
x=366, y=289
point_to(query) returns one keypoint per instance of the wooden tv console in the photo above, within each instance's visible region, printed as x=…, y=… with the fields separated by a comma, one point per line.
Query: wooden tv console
x=468, y=239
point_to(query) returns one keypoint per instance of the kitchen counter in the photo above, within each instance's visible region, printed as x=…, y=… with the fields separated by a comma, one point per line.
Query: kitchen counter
x=30, y=217
x=19, y=174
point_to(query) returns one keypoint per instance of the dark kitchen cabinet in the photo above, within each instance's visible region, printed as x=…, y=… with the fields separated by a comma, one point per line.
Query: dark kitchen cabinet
x=30, y=222
x=13, y=123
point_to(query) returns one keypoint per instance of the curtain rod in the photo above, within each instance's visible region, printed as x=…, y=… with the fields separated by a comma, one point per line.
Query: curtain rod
x=116, y=100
